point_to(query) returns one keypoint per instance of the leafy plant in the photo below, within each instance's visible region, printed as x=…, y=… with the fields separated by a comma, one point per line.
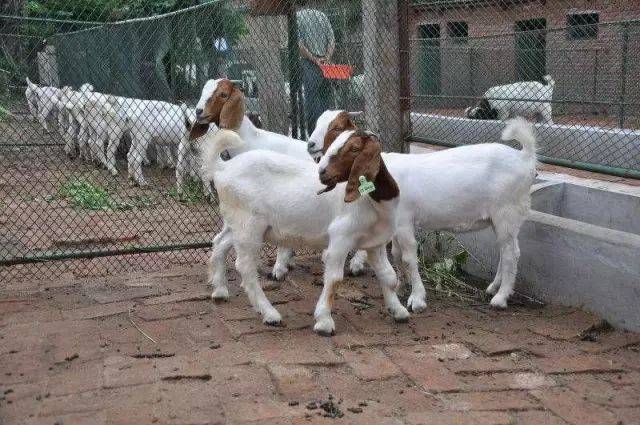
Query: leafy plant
x=89, y=196
x=441, y=258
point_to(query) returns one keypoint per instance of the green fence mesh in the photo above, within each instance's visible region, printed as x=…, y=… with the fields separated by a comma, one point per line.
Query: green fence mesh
x=465, y=63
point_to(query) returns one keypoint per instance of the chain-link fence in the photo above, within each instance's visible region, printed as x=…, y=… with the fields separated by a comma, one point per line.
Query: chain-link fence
x=89, y=147
x=96, y=96
x=570, y=65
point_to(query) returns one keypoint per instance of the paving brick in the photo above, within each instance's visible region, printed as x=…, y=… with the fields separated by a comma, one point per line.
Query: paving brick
x=572, y=408
x=176, y=310
x=76, y=378
x=260, y=410
x=293, y=347
x=599, y=391
x=487, y=364
x=350, y=340
x=99, y=310
x=37, y=316
x=292, y=381
x=568, y=326
x=456, y=418
x=537, y=417
x=628, y=415
x=370, y=363
x=451, y=351
x=489, y=400
x=424, y=369
x=19, y=367
x=189, y=402
x=121, y=371
x=504, y=381
x=491, y=343
x=575, y=364
x=200, y=295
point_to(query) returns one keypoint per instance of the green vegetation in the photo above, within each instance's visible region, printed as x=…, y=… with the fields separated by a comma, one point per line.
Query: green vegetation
x=441, y=257
x=89, y=196
x=192, y=193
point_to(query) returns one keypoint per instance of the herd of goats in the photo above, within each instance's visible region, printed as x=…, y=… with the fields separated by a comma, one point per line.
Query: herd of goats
x=338, y=192
x=94, y=124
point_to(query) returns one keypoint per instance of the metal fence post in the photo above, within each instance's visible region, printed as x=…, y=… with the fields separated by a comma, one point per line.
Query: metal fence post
x=294, y=72
x=382, y=107
x=404, y=52
x=623, y=72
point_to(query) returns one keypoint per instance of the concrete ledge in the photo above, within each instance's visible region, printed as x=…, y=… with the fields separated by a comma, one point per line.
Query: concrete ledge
x=613, y=147
x=571, y=261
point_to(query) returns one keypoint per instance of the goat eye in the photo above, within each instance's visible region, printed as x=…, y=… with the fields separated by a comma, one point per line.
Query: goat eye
x=224, y=95
x=355, y=149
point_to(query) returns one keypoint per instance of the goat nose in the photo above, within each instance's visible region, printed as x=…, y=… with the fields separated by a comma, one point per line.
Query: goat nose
x=322, y=171
x=198, y=112
x=311, y=146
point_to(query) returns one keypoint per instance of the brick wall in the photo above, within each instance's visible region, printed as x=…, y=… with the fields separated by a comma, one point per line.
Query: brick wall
x=583, y=69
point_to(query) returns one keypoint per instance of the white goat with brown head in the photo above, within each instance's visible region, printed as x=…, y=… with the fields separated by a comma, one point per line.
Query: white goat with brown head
x=458, y=190
x=268, y=196
x=213, y=108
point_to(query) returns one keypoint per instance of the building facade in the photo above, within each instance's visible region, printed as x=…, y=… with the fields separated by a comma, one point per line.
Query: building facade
x=590, y=48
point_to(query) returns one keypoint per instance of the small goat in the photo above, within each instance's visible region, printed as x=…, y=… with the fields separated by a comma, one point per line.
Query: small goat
x=265, y=195
x=530, y=99
x=43, y=102
x=460, y=189
x=75, y=133
x=212, y=108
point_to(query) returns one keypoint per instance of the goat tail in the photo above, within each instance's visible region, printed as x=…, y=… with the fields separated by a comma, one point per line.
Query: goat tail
x=521, y=130
x=549, y=81
x=214, y=145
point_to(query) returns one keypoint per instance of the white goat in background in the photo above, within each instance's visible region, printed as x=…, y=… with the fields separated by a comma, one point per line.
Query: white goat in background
x=530, y=99
x=43, y=102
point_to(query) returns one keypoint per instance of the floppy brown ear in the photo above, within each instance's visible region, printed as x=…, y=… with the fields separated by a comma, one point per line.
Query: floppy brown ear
x=232, y=111
x=367, y=164
x=198, y=130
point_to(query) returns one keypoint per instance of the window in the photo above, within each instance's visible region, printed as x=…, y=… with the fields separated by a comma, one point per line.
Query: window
x=582, y=26
x=458, y=31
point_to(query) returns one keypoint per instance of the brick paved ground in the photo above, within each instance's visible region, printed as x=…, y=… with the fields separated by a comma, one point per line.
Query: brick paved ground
x=69, y=354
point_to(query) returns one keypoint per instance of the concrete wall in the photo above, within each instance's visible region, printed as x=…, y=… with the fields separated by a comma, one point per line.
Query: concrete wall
x=570, y=261
x=616, y=148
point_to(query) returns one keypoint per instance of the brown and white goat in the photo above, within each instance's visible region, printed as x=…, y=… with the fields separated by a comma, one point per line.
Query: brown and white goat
x=268, y=196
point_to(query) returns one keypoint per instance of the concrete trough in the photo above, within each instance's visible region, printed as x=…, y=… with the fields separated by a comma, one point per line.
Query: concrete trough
x=580, y=247
x=613, y=147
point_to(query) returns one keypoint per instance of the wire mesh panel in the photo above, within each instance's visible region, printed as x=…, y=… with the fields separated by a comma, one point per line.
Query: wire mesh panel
x=96, y=100
x=570, y=65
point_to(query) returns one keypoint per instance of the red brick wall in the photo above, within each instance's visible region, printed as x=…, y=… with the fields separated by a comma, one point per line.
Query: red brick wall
x=488, y=58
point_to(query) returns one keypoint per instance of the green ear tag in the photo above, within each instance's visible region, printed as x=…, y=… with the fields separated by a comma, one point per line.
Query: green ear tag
x=365, y=186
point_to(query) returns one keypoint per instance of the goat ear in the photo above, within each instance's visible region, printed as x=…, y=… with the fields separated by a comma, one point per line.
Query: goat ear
x=232, y=111
x=367, y=164
x=198, y=130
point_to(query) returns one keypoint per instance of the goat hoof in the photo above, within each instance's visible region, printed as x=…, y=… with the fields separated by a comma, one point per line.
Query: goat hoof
x=492, y=289
x=325, y=327
x=278, y=275
x=220, y=294
x=416, y=304
x=498, y=302
x=272, y=318
x=401, y=316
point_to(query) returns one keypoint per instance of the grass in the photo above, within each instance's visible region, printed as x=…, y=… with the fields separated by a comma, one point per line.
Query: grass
x=441, y=258
x=192, y=192
x=86, y=195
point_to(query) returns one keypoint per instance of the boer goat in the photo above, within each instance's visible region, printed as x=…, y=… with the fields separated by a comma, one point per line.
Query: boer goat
x=458, y=190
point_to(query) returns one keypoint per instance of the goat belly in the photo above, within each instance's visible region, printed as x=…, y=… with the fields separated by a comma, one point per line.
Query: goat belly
x=296, y=241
